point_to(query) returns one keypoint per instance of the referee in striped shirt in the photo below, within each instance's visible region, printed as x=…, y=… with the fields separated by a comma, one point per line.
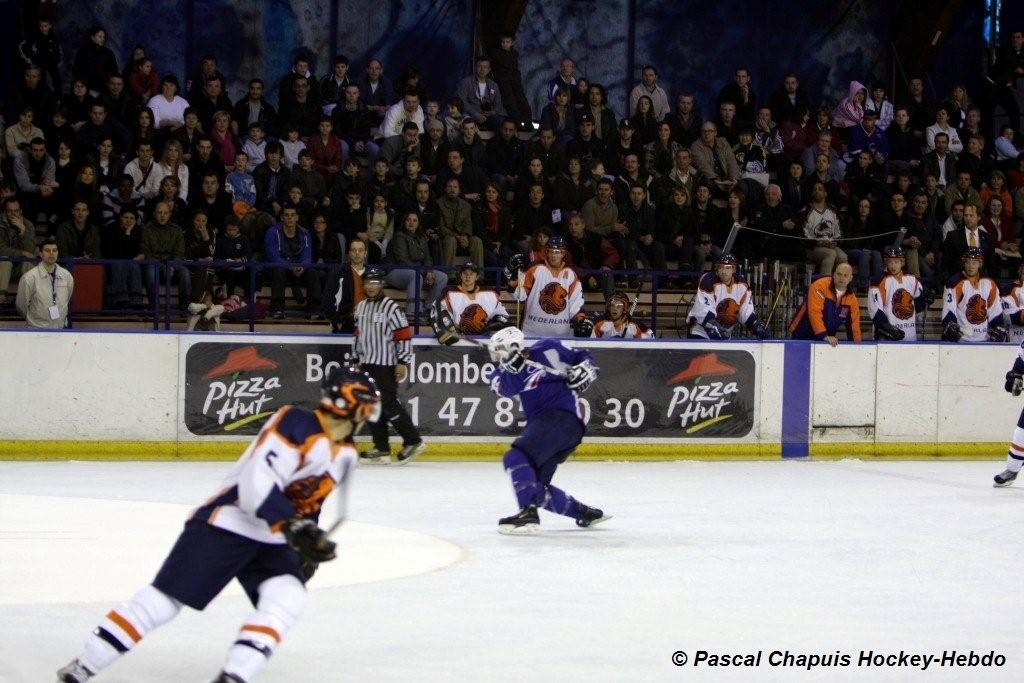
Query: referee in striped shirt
x=383, y=347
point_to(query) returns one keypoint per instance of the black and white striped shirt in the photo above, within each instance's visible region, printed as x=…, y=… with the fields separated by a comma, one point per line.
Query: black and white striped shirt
x=383, y=335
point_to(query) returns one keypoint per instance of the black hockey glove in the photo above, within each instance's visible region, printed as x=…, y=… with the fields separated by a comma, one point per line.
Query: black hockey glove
x=581, y=376
x=582, y=327
x=516, y=263
x=951, y=332
x=309, y=541
x=513, y=362
x=1014, y=383
x=998, y=333
x=498, y=322
x=759, y=330
x=715, y=329
x=886, y=330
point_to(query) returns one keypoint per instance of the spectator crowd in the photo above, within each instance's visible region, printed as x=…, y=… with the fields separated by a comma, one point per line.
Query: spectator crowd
x=126, y=163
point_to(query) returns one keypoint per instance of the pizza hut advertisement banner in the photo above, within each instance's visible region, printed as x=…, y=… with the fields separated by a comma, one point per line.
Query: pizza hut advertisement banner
x=652, y=393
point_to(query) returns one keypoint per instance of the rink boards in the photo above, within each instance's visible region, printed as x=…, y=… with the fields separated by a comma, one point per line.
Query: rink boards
x=132, y=396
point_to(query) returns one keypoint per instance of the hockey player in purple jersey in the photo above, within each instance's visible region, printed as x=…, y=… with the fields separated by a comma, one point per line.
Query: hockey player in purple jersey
x=548, y=378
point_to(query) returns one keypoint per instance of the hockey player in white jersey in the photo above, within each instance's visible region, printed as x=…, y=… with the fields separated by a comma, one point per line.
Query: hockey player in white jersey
x=617, y=321
x=723, y=301
x=971, y=310
x=1015, y=454
x=1013, y=306
x=895, y=299
x=553, y=295
x=260, y=528
x=473, y=309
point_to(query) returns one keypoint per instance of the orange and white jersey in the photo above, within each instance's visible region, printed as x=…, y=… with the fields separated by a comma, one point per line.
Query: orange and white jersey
x=894, y=296
x=553, y=297
x=288, y=470
x=973, y=302
x=730, y=304
x=471, y=311
x=627, y=328
x=1013, y=306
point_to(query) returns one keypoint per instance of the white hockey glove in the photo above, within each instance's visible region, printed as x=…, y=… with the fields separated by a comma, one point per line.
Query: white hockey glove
x=581, y=376
x=513, y=362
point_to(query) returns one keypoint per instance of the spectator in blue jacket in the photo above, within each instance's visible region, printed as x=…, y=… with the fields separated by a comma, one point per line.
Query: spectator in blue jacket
x=870, y=137
x=288, y=249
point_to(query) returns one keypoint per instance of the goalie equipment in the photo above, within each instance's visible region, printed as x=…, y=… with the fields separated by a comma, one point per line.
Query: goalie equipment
x=886, y=330
x=441, y=322
x=309, y=540
x=504, y=342
x=582, y=327
x=350, y=393
x=581, y=376
x=1014, y=383
x=951, y=332
x=715, y=329
x=515, y=265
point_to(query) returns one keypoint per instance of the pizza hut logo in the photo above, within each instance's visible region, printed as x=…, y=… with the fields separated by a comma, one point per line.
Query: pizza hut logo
x=702, y=393
x=239, y=388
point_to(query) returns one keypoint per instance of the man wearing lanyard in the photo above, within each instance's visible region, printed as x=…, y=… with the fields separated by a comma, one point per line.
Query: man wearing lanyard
x=45, y=291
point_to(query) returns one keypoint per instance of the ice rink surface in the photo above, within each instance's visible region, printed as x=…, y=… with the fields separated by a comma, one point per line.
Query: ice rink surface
x=810, y=557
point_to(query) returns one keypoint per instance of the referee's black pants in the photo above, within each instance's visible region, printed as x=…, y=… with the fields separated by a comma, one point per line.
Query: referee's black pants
x=392, y=410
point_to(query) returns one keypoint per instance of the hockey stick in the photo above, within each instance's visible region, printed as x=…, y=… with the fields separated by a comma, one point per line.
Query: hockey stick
x=782, y=288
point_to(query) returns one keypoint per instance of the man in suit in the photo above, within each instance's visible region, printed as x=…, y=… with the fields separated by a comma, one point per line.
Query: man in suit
x=940, y=162
x=959, y=241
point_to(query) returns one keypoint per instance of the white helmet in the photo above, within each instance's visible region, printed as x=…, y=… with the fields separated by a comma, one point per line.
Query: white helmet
x=504, y=341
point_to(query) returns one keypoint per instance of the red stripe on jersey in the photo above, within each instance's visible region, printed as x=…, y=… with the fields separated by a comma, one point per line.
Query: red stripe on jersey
x=402, y=334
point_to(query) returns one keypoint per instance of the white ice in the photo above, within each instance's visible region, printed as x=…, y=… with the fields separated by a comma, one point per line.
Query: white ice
x=812, y=557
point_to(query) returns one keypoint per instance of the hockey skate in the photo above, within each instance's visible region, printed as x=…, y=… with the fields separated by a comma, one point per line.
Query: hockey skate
x=375, y=456
x=588, y=516
x=409, y=452
x=227, y=678
x=74, y=672
x=1004, y=478
x=525, y=522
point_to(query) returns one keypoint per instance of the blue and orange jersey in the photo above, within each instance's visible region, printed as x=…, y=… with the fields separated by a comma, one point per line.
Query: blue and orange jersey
x=288, y=470
x=824, y=312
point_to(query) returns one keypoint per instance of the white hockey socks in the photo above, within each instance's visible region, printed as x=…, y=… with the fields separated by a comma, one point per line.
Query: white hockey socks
x=1015, y=455
x=281, y=601
x=125, y=626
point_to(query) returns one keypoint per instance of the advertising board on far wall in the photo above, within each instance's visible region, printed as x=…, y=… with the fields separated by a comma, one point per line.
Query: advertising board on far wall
x=643, y=392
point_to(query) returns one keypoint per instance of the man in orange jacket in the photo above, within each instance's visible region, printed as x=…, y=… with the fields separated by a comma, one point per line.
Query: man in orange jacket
x=830, y=304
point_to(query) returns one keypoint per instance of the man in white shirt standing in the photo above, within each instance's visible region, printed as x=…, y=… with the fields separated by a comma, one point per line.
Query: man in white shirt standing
x=649, y=86
x=44, y=292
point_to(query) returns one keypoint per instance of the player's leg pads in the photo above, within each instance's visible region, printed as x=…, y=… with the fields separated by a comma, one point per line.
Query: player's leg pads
x=126, y=625
x=524, y=478
x=558, y=501
x=282, y=599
